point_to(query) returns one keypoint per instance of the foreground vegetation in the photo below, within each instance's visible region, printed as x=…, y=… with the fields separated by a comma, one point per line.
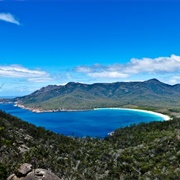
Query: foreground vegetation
x=138, y=152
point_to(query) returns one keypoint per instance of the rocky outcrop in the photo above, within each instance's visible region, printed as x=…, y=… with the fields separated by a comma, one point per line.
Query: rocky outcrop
x=25, y=172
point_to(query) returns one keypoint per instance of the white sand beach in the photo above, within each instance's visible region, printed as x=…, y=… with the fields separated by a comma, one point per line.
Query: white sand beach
x=165, y=117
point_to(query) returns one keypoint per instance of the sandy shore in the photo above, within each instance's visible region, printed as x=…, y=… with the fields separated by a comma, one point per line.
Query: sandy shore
x=165, y=117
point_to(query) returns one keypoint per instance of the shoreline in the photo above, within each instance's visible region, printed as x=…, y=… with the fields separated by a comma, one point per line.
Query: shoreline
x=165, y=117
x=36, y=110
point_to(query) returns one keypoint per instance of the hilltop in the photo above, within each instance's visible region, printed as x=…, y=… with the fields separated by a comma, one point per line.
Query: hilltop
x=78, y=96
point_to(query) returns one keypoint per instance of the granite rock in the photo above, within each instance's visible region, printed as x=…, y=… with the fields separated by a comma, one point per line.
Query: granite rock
x=25, y=172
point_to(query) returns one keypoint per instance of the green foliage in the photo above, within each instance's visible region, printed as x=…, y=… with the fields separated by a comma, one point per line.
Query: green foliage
x=3, y=172
x=137, y=152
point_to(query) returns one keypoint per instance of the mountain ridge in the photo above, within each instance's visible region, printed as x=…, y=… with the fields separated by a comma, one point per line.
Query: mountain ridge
x=79, y=96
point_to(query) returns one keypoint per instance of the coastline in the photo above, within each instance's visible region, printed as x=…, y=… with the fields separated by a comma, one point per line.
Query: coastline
x=37, y=110
x=165, y=117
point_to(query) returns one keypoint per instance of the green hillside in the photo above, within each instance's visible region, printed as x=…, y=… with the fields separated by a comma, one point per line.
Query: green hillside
x=77, y=96
x=145, y=151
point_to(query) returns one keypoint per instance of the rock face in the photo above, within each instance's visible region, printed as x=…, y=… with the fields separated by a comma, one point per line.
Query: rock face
x=25, y=172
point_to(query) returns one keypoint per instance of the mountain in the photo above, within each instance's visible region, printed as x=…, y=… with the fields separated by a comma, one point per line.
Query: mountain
x=78, y=96
x=144, y=151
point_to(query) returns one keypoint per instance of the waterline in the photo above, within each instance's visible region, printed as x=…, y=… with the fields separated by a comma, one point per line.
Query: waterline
x=165, y=117
x=92, y=123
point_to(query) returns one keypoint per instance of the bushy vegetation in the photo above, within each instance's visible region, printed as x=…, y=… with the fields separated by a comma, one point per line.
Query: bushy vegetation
x=137, y=152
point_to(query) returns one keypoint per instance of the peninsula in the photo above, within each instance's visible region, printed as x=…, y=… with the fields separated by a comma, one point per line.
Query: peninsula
x=150, y=95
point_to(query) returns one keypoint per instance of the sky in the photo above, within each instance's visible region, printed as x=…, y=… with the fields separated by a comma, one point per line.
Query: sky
x=55, y=42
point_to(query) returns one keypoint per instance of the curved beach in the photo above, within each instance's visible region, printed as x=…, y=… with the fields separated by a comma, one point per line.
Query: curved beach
x=86, y=123
x=165, y=117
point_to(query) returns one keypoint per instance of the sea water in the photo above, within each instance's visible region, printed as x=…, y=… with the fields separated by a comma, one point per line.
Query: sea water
x=92, y=123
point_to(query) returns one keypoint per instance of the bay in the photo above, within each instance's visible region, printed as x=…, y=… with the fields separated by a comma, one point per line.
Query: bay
x=93, y=123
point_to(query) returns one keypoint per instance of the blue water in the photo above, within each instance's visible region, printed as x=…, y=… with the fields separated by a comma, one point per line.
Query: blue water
x=93, y=123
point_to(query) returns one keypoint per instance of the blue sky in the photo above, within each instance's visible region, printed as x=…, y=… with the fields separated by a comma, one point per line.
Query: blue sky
x=55, y=42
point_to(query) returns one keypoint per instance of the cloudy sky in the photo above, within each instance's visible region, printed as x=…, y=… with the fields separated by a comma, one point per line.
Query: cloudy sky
x=55, y=42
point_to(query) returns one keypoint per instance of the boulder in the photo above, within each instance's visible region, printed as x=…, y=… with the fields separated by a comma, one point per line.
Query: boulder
x=23, y=148
x=24, y=169
x=25, y=172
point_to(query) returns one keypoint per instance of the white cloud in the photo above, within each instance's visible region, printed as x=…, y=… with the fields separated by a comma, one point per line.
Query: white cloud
x=9, y=18
x=106, y=74
x=175, y=80
x=16, y=71
x=156, y=65
x=83, y=69
x=39, y=79
x=134, y=67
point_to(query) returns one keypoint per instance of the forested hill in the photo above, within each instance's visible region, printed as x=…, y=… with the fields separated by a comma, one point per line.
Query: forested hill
x=75, y=96
x=144, y=151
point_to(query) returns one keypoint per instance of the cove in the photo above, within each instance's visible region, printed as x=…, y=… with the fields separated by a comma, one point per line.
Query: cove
x=92, y=123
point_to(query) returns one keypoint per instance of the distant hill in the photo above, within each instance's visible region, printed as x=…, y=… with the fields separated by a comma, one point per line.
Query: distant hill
x=78, y=96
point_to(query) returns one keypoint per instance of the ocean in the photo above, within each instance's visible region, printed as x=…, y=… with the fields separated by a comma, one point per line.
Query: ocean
x=92, y=123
